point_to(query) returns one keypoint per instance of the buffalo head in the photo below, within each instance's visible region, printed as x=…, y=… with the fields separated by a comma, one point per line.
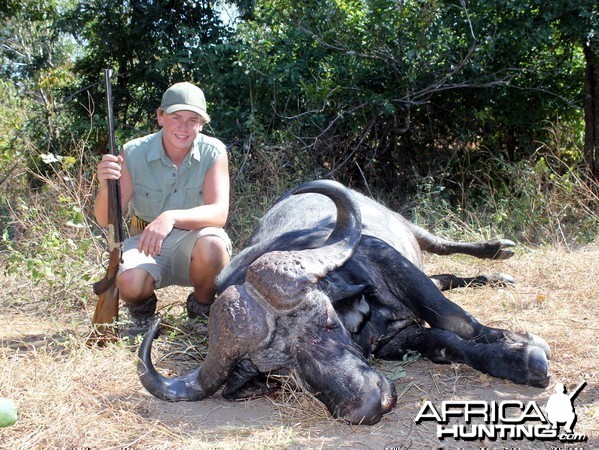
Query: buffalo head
x=281, y=319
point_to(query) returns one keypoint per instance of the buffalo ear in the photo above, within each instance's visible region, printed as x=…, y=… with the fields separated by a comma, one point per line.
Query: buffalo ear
x=353, y=313
x=245, y=381
x=337, y=288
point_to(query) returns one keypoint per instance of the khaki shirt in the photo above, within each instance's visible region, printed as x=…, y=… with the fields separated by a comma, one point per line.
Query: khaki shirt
x=158, y=185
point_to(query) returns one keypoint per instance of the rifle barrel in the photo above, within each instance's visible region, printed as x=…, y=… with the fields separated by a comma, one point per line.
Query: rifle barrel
x=114, y=187
x=576, y=391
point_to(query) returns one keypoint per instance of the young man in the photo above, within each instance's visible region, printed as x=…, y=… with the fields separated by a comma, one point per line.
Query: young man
x=176, y=185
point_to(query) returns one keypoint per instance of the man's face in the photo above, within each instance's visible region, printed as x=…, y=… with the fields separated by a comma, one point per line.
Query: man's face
x=179, y=129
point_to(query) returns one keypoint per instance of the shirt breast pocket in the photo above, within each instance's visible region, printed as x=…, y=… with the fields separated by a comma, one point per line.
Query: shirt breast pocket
x=148, y=202
x=194, y=196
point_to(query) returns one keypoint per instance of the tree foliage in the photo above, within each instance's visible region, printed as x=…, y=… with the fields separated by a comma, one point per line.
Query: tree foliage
x=35, y=66
x=150, y=45
x=376, y=93
x=380, y=89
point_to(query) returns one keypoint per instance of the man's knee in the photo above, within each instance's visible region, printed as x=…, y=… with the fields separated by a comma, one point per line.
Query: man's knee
x=135, y=285
x=211, y=250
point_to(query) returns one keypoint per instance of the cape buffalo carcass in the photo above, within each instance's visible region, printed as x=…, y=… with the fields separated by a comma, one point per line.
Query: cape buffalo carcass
x=319, y=292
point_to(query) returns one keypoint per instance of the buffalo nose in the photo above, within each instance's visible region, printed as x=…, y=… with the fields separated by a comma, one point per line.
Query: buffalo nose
x=388, y=395
x=378, y=402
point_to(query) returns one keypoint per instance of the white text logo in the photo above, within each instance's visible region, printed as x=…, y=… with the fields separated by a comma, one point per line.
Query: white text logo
x=509, y=419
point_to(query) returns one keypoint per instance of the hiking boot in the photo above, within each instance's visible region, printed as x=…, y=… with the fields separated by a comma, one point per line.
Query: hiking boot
x=142, y=316
x=197, y=313
x=138, y=327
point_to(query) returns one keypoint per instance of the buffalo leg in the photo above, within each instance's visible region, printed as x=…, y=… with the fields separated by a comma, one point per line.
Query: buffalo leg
x=447, y=281
x=401, y=282
x=517, y=362
x=439, y=312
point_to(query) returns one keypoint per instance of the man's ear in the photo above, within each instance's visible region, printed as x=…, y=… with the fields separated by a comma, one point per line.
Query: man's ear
x=160, y=116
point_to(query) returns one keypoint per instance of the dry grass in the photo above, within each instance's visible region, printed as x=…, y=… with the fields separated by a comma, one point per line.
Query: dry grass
x=70, y=395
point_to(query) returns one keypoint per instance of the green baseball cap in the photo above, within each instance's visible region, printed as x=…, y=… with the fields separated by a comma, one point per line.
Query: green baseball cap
x=184, y=97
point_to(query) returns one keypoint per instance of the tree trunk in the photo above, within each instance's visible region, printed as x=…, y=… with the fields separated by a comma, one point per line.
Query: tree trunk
x=591, y=110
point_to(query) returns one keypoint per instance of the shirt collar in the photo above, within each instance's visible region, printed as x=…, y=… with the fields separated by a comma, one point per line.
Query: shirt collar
x=195, y=148
x=157, y=152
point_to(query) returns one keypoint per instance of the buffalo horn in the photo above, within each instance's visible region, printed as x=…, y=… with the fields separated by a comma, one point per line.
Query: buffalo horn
x=348, y=228
x=283, y=278
x=170, y=389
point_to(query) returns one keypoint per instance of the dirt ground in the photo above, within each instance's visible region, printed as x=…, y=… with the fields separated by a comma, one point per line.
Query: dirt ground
x=72, y=396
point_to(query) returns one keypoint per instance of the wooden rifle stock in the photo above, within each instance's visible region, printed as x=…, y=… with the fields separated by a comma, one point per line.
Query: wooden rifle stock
x=107, y=308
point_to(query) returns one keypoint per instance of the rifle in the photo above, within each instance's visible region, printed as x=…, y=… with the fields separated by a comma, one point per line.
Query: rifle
x=107, y=308
x=576, y=391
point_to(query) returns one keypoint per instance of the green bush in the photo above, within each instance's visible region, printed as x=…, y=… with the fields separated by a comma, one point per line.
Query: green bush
x=48, y=236
x=546, y=199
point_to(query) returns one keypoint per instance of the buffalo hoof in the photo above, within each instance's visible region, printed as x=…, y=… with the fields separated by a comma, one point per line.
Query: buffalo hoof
x=539, y=342
x=518, y=362
x=504, y=248
x=500, y=280
x=447, y=281
x=531, y=340
x=538, y=368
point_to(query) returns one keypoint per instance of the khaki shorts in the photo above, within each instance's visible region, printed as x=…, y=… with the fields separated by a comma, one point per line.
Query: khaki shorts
x=171, y=267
